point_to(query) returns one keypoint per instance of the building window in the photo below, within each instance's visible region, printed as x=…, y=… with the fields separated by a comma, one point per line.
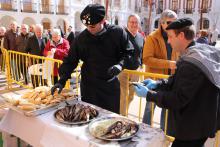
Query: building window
x=205, y=24
x=7, y=5
x=61, y=8
x=189, y=6
x=205, y=5
x=26, y=6
x=45, y=7
x=174, y=5
x=160, y=6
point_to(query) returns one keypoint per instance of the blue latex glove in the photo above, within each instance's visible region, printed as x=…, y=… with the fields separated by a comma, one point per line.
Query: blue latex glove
x=141, y=90
x=151, y=84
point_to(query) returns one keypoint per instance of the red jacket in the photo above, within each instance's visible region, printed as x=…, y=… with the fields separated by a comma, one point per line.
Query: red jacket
x=62, y=49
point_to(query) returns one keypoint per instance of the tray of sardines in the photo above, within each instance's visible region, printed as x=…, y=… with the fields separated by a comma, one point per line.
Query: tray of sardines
x=76, y=114
x=113, y=128
x=39, y=100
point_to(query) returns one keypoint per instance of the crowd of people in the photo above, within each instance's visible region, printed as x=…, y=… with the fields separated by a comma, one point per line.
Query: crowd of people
x=36, y=41
x=191, y=93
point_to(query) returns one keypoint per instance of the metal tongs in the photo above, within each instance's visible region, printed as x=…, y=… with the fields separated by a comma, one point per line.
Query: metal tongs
x=136, y=83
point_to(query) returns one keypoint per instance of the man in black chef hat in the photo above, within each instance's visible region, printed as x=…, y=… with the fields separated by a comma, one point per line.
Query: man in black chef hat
x=192, y=94
x=105, y=51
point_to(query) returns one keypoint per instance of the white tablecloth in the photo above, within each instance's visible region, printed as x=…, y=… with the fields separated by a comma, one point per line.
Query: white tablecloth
x=44, y=131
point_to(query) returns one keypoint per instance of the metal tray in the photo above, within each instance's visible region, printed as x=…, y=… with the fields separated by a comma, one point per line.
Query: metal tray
x=93, y=126
x=43, y=109
x=76, y=123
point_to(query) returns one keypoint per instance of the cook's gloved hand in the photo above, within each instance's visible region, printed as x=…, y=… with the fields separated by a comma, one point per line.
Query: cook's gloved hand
x=54, y=88
x=114, y=70
x=141, y=90
x=151, y=84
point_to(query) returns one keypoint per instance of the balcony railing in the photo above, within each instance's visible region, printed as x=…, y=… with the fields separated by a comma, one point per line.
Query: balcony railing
x=46, y=9
x=205, y=10
x=8, y=5
x=176, y=10
x=62, y=10
x=28, y=7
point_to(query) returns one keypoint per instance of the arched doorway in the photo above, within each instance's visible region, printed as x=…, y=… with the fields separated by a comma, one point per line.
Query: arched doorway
x=29, y=21
x=46, y=23
x=61, y=7
x=5, y=21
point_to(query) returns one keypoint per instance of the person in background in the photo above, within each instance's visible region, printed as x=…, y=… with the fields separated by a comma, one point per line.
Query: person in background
x=10, y=35
x=21, y=43
x=105, y=51
x=137, y=40
x=191, y=95
x=159, y=57
x=35, y=46
x=9, y=44
x=2, y=34
x=58, y=47
x=203, y=37
x=70, y=35
x=49, y=34
x=31, y=29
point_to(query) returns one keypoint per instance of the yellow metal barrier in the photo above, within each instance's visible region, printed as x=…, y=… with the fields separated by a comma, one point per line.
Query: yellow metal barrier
x=23, y=68
x=2, y=59
x=217, y=143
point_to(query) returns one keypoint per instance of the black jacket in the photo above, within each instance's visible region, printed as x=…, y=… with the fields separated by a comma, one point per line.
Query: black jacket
x=33, y=46
x=71, y=37
x=138, y=43
x=98, y=53
x=192, y=100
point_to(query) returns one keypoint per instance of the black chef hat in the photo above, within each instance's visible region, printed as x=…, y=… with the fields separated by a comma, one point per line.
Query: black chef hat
x=180, y=23
x=92, y=14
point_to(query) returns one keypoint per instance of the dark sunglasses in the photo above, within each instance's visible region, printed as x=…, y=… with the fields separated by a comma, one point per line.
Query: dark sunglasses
x=167, y=22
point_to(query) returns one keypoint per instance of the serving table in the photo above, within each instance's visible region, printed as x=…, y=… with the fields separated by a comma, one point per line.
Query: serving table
x=45, y=131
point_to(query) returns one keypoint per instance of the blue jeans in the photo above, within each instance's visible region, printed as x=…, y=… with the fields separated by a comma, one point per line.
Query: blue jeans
x=148, y=112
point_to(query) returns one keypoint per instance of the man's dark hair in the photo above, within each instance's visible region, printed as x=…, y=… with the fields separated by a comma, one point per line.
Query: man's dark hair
x=189, y=32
